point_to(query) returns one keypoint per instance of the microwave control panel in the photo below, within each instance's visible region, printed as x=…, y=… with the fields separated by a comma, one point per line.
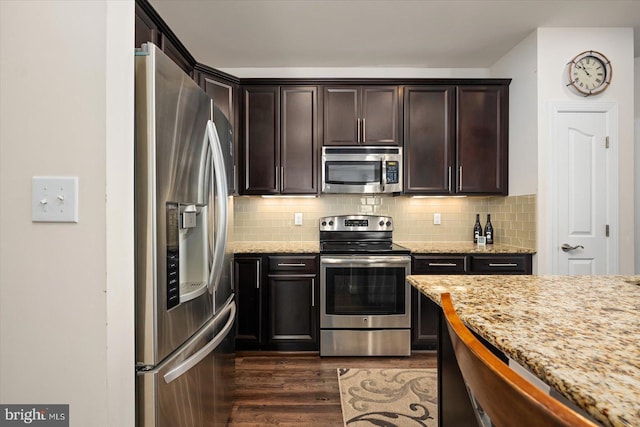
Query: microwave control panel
x=393, y=172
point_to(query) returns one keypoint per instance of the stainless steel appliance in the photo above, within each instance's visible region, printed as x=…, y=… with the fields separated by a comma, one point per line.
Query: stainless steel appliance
x=185, y=306
x=361, y=169
x=365, y=302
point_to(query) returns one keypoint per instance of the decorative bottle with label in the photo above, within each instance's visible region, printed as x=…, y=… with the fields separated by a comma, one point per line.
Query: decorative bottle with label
x=488, y=230
x=477, y=229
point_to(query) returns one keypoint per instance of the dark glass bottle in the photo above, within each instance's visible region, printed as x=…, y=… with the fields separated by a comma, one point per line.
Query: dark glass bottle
x=477, y=229
x=488, y=230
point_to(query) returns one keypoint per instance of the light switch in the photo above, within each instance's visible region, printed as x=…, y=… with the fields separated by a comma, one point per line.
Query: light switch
x=54, y=199
x=297, y=218
x=436, y=218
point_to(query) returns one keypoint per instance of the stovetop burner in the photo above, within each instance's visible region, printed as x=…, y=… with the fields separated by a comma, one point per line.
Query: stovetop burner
x=358, y=234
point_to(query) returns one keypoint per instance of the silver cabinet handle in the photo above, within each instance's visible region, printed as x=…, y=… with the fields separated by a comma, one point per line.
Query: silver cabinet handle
x=364, y=130
x=503, y=264
x=442, y=264
x=460, y=177
x=358, y=129
x=277, y=179
x=449, y=179
x=567, y=247
x=287, y=264
x=257, y=274
x=313, y=292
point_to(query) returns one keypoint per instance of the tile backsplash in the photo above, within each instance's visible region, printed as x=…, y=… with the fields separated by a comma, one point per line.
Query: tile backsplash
x=272, y=219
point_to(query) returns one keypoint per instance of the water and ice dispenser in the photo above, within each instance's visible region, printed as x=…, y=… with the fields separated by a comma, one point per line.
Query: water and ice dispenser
x=187, y=252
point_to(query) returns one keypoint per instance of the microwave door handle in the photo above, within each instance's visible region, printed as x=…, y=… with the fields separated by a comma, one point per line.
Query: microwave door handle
x=384, y=174
x=220, y=175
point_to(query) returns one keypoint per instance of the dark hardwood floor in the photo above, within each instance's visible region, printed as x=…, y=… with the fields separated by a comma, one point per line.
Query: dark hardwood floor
x=282, y=389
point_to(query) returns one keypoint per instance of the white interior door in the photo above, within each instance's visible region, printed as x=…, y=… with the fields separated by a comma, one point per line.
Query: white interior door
x=585, y=187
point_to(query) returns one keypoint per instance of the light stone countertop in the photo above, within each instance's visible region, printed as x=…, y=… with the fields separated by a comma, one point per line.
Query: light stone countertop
x=579, y=334
x=462, y=248
x=415, y=247
x=266, y=247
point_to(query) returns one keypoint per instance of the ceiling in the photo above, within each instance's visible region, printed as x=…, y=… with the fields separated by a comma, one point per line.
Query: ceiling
x=376, y=33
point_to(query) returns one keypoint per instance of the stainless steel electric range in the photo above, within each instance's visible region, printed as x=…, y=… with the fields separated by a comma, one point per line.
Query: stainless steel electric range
x=365, y=301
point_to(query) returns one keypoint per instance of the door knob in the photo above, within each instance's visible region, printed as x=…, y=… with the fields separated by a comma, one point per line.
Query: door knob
x=567, y=247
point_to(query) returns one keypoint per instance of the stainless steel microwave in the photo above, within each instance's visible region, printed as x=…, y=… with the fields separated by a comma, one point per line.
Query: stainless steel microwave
x=357, y=169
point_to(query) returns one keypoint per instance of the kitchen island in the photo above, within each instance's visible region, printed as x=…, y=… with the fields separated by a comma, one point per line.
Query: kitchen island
x=579, y=334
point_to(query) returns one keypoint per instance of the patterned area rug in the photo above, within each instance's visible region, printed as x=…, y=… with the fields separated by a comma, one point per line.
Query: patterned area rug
x=389, y=397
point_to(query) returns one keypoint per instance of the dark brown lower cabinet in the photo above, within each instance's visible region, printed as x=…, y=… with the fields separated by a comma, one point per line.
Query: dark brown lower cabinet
x=425, y=313
x=291, y=313
x=277, y=304
x=248, y=284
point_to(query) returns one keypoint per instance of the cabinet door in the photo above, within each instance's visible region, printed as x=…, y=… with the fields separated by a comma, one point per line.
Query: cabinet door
x=424, y=322
x=424, y=314
x=248, y=271
x=292, y=314
x=379, y=114
x=176, y=54
x=145, y=29
x=482, y=152
x=429, y=123
x=224, y=96
x=298, y=167
x=341, y=116
x=261, y=148
x=221, y=93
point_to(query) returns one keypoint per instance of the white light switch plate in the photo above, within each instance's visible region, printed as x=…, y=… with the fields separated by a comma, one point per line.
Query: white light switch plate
x=297, y=218
x=436, y=219
x=54, y=199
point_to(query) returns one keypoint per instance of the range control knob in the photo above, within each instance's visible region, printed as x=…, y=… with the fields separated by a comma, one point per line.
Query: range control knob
x=381, y=223
x=323, y=223
x=388, y=223
x=330, y=222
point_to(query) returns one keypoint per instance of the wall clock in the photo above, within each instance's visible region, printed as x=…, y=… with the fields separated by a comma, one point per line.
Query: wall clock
x=590, y=73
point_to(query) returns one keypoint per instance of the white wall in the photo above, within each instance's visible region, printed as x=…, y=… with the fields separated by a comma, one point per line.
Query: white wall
x=556, y=47
x=66, y=93
x=520, y=64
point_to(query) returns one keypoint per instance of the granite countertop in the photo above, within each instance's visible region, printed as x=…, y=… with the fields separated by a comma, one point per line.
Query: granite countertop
x=415, y=247
x=275, y=247
x=579, y=334
x=462, y=248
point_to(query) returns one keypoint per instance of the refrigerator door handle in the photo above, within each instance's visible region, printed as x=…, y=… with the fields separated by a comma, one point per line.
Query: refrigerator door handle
x=222, y=206
x=192, y=361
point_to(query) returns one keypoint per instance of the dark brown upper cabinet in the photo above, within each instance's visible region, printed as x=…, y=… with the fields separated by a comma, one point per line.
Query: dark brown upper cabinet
x=359, y=115
x=146, y=29
x=429, y=136
x=280, y=140
x=482, y=150
x=456, y=139
x=224, y=94
x=150, y=27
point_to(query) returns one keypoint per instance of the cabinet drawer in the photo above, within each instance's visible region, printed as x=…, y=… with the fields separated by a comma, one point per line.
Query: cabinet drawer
x=306, y=264
x=516, y=264
x=425, y=264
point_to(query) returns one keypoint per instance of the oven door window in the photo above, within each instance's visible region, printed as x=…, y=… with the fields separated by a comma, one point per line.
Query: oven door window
x=353, y=172
x=365, y=291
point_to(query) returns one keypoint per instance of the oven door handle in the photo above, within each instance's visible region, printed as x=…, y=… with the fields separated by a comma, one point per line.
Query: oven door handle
x=389, y=260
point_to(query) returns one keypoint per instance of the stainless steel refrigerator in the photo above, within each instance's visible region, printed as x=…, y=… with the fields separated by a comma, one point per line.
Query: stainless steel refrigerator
x=185, y=305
